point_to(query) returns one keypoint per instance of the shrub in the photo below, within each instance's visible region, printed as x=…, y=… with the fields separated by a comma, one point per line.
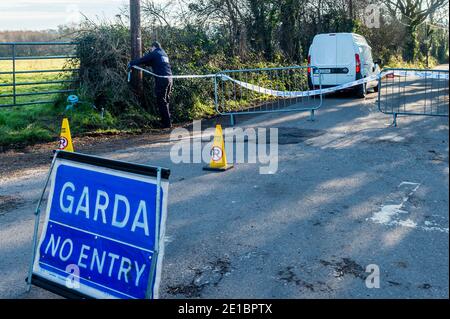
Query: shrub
x=104, y=53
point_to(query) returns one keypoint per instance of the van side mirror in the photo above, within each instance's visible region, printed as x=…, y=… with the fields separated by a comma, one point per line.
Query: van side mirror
x=377, y=61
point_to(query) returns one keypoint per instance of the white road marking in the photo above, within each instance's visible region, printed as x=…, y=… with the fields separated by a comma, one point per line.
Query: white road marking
x=391, y=214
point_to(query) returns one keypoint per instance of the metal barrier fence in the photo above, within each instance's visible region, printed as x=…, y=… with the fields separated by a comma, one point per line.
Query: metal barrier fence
x=266, y=90
x=413, y=92
x=10, y=79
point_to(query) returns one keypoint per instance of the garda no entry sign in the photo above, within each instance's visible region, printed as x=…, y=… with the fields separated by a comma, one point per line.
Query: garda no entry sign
x=104, y=228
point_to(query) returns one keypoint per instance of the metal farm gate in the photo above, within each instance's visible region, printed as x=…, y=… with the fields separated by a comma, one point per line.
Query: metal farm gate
x=17, y=86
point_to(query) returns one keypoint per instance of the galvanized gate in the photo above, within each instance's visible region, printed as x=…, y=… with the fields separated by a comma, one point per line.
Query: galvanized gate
x=14, y=91
x=413, y=92
x=265, y=90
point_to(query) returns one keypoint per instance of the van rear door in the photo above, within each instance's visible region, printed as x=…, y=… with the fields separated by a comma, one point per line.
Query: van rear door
x=323, y=56
x=345, y=59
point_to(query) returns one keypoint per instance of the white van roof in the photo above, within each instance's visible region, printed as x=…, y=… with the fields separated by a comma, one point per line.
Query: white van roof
x=357, y=38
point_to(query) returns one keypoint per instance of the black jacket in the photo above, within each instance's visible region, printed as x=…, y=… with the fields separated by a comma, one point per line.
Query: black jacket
x=158, y=60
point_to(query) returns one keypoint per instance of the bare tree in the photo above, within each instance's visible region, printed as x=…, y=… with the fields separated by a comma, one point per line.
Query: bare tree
x=413, y=13
x=232, y=14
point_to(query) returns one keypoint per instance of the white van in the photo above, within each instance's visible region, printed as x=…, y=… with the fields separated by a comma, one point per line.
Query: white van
x=342, y=58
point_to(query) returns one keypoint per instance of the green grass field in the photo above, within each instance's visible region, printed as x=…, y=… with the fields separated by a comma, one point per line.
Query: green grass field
x=28, y=124
x=27, y=65
x=23, y=125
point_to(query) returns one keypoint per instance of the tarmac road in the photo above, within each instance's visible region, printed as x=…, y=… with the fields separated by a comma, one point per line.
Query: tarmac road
x=350, y=191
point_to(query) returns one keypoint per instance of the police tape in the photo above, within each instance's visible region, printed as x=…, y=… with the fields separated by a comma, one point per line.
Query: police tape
x=193, y=76
x=252, y=87
x=437, y=74
x=295, y=94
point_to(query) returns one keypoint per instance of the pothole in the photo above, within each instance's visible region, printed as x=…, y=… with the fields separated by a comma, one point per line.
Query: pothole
x=210, y=275
x=288, y=276
x=346, y=266
x=292, y=135
x=286, y=135
x=8, y=203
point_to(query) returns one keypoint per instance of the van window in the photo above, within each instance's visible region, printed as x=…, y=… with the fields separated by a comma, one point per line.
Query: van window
x=367, y=55
x=361, y=41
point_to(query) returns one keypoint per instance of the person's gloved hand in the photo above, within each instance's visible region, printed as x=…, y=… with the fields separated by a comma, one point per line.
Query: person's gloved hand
x=129, y=72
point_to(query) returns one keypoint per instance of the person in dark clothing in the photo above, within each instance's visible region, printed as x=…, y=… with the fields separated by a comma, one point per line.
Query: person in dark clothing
x=159, y=61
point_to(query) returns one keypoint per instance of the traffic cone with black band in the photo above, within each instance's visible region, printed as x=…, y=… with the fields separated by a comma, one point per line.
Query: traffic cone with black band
x=218, y=155
x=65, y=139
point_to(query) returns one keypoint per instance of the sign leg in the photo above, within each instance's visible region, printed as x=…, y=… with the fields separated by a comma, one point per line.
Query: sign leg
x=37, y=214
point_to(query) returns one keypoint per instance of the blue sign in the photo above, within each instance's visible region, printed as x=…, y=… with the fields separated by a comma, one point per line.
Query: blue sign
x=101, y=233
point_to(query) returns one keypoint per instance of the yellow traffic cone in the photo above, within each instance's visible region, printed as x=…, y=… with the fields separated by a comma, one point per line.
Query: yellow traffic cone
x=218, y=154
x=65, y=139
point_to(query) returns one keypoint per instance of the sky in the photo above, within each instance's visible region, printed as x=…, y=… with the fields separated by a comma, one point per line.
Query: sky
x=49, y=14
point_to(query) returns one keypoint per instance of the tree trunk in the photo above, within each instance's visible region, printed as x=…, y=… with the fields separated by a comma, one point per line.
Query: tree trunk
x=289, y=33
x=136, y=45
x=410, y=48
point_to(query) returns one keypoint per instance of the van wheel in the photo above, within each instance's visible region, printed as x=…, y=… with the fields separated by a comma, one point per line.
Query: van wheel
x=361, y=90
x=375, y=88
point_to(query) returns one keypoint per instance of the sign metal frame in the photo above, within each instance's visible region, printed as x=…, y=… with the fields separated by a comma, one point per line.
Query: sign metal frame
x=156, y=261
